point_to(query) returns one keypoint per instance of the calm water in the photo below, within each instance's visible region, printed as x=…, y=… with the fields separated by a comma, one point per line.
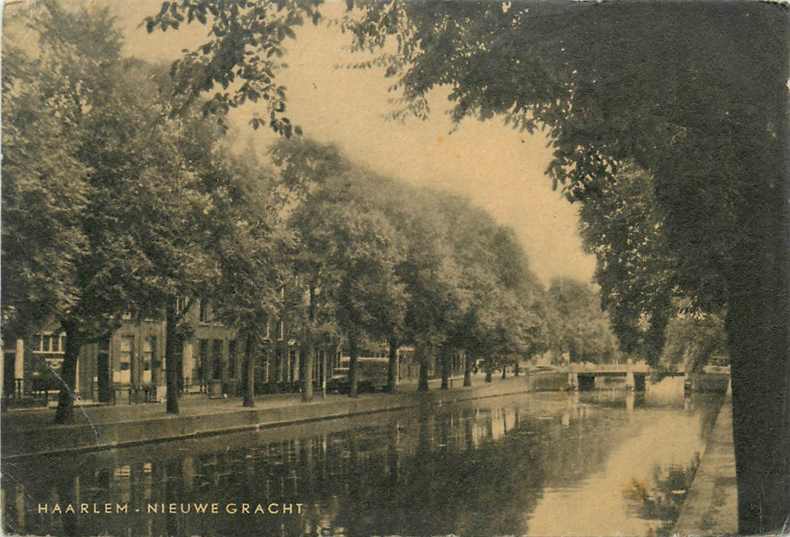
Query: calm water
x=601, y=463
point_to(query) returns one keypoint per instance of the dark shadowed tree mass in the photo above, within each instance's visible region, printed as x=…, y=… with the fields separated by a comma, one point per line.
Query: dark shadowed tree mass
x=129, y=223
x=693, y=342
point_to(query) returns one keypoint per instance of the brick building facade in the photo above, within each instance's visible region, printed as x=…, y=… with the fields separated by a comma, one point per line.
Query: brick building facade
x=129, y=366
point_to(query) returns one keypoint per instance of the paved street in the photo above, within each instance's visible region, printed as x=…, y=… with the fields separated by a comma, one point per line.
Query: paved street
x=711, y=507
x=190, y=405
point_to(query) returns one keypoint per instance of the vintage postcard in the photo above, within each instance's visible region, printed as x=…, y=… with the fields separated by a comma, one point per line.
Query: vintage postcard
x=394, y=268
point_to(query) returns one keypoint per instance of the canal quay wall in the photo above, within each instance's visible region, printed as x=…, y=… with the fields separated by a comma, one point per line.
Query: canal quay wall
x=31, y=437
x=711, y=506
x=708, y=382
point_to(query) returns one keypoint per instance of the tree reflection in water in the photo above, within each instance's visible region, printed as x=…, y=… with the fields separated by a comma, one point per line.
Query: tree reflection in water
x=480, y=468
x=662, y=498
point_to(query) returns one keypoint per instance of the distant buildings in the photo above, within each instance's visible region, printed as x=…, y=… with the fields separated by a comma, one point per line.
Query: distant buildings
x=129, y=365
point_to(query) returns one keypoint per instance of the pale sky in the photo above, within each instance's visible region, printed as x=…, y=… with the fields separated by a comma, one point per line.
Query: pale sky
x=498, y=168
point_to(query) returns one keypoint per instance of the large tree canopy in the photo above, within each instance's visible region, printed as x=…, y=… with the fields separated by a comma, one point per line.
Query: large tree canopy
x=613, y=84
x=624, y=229
x=695, y=341
x=694, y=94
x=616, y=87
x=429, y=270
x=122, y=213
x=579, y=327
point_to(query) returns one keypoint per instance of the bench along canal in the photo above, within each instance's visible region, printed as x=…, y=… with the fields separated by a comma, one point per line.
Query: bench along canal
x=592, y=463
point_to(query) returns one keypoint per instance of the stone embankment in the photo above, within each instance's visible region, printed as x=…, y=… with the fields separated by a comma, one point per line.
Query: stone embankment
x=31, y=433
x=711, y=506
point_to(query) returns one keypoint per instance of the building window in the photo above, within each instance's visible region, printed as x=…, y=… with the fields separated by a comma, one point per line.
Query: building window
x=104, y=369
x=181, y=304
x=205, y=315
x=292, y=366
x=282, y=330
x=124, y=373
x=149, y=357
x=268, y=330
x=266, y=366
x=202, y=361
x=49, y=343
x=279, y=366
x=217, y=355
x=178, y=361
x=232, y=359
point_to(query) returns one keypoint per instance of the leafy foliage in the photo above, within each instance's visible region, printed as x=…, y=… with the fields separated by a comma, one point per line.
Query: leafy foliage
x=624, y=228
x=638, y=141
x=241, y=56
x=693, y=342
x=122, y=212
x=399, y=263
x=593, y=77
x=45, y=193
x=692, y=94
x=251, y=244
x=579, y=327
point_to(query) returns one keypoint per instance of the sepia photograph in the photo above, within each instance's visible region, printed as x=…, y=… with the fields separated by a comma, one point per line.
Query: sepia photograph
x=367, y=268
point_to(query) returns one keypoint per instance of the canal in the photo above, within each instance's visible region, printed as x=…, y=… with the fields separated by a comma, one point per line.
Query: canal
x=598, y=463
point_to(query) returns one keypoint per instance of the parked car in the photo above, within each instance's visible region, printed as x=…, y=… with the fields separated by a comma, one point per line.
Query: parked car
x=542, y=368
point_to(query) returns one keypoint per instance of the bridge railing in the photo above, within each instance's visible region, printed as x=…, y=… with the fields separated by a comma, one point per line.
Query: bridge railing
x=609, y=368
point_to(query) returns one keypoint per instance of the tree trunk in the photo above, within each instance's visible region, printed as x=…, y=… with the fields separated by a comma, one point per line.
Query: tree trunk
x=445, y=363
x=353, y=357
x=489, y=369
x=392, y=366
x=68, y=374
x=760, y=369
x=422, y=385
x=759, y=398
x=249, y=365
x=243, y=368
x=504, y=370
x=308, y=351
x=468, y=363
x=758, y=331
x=308, y=357
x=324, y=372
x=171, y=364
x=516, y=368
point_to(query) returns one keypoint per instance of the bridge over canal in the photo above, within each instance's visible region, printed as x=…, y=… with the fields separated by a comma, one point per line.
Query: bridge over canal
x=582, y=376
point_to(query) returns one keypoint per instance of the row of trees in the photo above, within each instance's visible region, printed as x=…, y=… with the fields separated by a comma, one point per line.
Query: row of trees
x=668, y=125
x=118, y=197
x=121, y=195
x=669, y=128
